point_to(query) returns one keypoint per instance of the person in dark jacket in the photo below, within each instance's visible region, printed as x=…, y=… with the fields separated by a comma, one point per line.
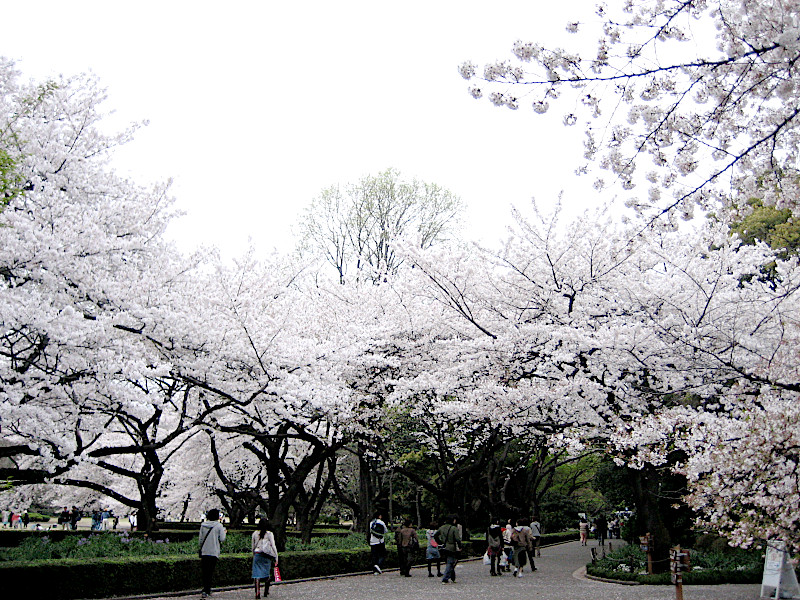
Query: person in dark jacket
x=407, y=544
x=494, y=543
x=602, y=529
x=449, y=540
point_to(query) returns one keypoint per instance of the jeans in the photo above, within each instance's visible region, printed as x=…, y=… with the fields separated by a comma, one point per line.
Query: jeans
x=450, y=566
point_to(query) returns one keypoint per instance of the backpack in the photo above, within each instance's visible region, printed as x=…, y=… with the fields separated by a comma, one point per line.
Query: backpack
x=516, y=538
x=377, y=529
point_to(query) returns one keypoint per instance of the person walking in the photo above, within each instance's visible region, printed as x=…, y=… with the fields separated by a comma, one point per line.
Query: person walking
x=448, y=537
x=74, y=517
x=377, y=542
x=508, y=547
x=602, y=529
x=494, y=543
x=522, y=541
x=536, y=534
x=407, y=545
x=212, y=534
x=583, y=528
x=432, y=551
x=265, y=556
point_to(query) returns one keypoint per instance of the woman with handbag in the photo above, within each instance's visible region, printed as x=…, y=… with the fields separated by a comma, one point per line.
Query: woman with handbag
x=432, y=553
x=265, y=556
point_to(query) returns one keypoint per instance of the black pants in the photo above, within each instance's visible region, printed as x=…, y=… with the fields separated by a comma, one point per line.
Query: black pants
x=495, y=559
x=207, y=566
x=406, y=555
x=378, y=552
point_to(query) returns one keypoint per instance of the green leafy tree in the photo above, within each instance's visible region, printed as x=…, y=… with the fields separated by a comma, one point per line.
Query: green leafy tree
x=356, y=227
x=774, y=226
x=11, y=181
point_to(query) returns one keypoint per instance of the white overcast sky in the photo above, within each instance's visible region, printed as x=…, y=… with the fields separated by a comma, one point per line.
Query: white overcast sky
x=254, y=107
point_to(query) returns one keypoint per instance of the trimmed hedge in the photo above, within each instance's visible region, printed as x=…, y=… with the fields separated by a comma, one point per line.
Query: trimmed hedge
x=691, y=578
x=13, y=537
x=69, y=579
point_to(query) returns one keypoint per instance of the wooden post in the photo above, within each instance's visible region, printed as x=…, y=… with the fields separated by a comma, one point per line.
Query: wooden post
x=646, y=544
x=678, y=562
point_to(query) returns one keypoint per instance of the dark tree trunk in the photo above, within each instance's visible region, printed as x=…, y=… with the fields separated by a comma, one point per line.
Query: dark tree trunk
x=365, y=489
x=646, y=485
x=309, y=505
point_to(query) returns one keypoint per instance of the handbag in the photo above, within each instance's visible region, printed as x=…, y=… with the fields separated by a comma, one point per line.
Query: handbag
x=486, y=559
x=277, y=575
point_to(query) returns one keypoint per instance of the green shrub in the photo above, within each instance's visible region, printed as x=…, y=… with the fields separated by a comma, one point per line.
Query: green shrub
x=133, y=575
x=38, y=517
x=110, y=544
x=709, y=567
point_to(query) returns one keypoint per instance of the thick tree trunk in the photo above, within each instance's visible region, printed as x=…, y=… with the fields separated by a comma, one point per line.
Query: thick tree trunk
x=646, y=485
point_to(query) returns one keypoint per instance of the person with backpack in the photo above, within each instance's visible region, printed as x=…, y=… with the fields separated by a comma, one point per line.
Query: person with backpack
x=522, y=542
x=448, y=537
x=377, y=542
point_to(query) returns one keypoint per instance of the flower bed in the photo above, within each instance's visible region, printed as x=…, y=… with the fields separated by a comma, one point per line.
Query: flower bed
x=732, y=565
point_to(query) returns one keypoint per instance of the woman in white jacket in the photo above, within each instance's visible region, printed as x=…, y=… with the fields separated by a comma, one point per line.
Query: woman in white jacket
x=265, y=556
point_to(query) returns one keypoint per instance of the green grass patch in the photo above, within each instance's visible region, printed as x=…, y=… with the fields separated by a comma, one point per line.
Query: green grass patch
x=110, y=545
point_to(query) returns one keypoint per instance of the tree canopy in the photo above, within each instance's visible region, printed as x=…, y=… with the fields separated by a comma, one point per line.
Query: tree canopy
x=662, y=106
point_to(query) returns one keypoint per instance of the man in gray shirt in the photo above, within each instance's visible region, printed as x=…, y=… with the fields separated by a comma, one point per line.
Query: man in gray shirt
x=212, y=534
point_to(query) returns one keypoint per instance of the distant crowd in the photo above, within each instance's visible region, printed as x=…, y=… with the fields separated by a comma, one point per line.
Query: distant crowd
x=101, y=519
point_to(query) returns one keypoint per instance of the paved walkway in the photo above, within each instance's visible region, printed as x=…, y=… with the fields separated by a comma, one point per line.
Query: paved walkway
x=559, y=577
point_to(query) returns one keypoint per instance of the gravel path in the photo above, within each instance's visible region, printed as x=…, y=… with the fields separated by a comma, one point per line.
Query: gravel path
x=559, y=577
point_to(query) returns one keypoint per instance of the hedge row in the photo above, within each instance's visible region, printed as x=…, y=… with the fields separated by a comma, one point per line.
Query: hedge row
x=14, y=537
x=69, y=579
x=690, y=578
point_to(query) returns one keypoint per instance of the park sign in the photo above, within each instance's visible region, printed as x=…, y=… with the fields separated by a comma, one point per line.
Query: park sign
x=779, y=580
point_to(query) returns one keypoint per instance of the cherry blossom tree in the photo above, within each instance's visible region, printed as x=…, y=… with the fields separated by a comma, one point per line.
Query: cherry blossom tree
x=714, y=120
x=601, y=337
x=98, y=349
